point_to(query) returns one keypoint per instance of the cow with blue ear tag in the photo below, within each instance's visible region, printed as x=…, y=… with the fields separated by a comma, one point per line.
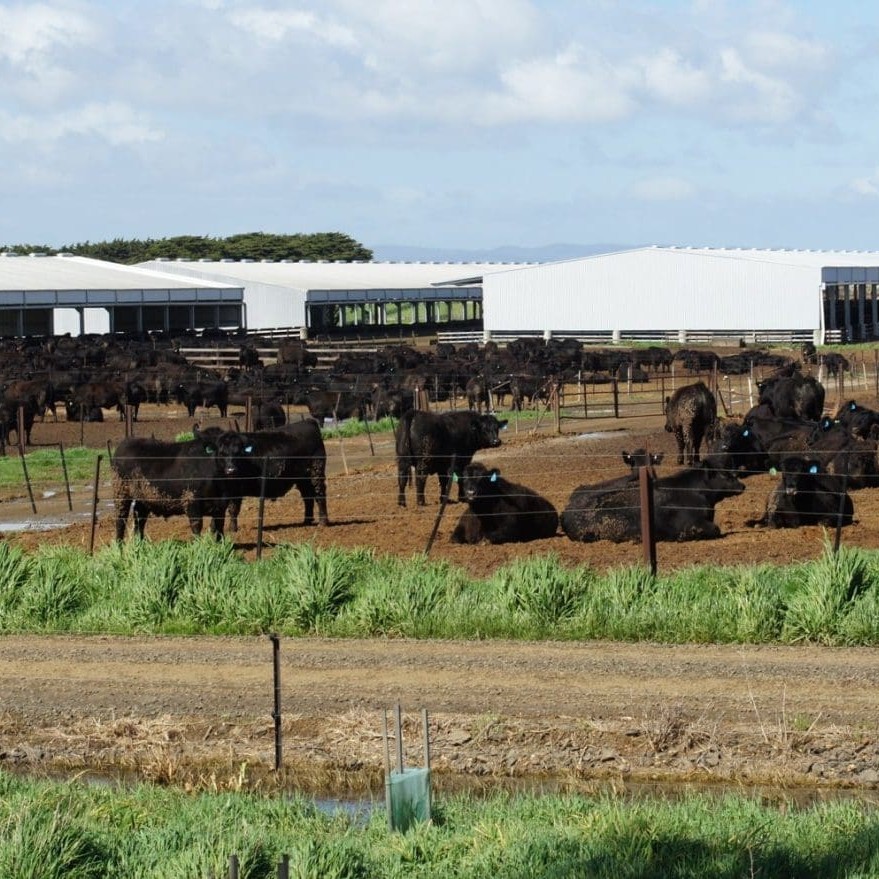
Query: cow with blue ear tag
x=807, y=495
x=501, y=512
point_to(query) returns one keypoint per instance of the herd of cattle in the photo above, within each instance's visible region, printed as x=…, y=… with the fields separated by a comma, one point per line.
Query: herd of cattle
x=820, y=460
x=90, y=375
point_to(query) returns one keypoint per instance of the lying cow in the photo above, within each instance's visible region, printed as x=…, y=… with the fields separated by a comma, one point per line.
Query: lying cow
x=500, y=511
x=690, y=414
x=294, y=456
x=170, y=479
x=683, y=506
x=431, y=443
x=806, y=495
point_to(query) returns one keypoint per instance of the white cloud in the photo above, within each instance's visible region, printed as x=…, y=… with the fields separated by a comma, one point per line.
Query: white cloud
x=662, y=189
x=275, y=26
x=32, y=31
x=113, y=123
x=772, y=50
x=866, y=186
x=675, y=80
x=756, y=96
x=565, y=87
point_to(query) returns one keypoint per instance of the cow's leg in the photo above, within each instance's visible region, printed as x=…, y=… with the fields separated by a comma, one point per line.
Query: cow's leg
x=140, y=516
x=319, y=491
x=420, y=484
x=234, y=509
x=402, y=480
x=122, y=507
x=445, y=481
x=679, y=437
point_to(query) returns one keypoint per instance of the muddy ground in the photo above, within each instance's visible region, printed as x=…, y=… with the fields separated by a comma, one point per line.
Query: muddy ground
x=198, y=710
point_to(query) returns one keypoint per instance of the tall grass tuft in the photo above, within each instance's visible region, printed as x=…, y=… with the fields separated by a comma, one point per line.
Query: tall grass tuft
x=212, y=577
x=413, y=598
x=58, y=590
x=541, y=592
x=832, y=584
x=317, y=584
x=15, y=573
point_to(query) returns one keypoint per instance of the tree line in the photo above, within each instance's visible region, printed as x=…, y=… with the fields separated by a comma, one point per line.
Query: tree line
x=248, y=245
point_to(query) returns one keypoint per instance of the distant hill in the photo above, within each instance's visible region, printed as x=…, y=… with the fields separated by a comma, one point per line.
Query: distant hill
x=544, y=253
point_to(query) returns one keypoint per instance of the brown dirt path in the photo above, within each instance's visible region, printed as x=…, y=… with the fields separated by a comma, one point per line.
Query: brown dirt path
x=193, y=710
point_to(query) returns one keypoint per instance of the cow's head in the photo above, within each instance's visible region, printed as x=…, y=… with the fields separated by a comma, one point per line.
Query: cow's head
x=476, y=480
x=488, y=429
x=642, y=458
x=227, y=447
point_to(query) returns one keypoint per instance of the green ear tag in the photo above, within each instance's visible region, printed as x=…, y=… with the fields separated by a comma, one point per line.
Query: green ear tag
x=454, y=477
x=773, y=471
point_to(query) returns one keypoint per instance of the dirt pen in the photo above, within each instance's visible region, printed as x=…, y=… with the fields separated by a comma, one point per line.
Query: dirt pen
x=576, y=440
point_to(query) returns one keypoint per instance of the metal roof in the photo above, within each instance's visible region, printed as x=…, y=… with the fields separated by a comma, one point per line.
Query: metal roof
x=37, y=273
x=307, y=275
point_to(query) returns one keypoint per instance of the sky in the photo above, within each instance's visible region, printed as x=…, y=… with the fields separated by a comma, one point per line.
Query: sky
x=443, y=123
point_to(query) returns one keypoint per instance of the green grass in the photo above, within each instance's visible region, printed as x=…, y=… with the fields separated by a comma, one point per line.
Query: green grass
x=44, y=466
x=70, y=830
x=199, y=586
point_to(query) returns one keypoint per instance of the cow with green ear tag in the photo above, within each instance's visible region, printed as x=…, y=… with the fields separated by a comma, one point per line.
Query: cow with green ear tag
x=153, y=477
x=500, y=511
x=806, y=495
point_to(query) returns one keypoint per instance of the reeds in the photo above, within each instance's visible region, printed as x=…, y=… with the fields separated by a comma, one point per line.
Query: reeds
x=203, y=586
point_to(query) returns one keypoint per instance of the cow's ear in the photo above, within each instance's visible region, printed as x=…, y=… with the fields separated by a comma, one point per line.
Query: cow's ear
x=502, y=425
x=813, y=469
x=826, y=423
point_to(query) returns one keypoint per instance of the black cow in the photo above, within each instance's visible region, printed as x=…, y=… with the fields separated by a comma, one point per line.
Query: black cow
x=294, y=456
x=683, y=506
x=642, y=458
x=835, y=363
x=9, y=422
x=794, y=396
x=205, y=394
x=689, y=414
x=268, y=415
x=860, y=420
x=477, y=393
x=655, y=358
x=433, y=443
x=172, y=479
x=500, y=511
x=806, y=495
x=336, y=405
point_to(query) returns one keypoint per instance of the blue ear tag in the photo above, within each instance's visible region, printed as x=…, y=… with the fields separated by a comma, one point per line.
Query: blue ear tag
x=773, y=471
x=248, y=449
x=746, y=432
x=493, y=477
x=852, y=406
x=813, y=468
x=209, y=450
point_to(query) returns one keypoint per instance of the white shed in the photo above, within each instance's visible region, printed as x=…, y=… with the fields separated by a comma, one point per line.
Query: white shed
x=46, y=295
x=681, y=292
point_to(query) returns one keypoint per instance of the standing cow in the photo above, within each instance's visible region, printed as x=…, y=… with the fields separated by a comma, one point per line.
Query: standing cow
x=690, y=413
x=501, y=511
x=437, y=443
x=171, y=479
x=294, y=456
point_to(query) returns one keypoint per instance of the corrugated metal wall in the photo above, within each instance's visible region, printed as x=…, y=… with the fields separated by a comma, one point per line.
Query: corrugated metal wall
x=654, y=289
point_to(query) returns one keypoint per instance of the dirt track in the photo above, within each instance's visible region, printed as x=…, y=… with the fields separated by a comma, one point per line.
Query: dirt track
x=192, y=710
x=184, y=709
